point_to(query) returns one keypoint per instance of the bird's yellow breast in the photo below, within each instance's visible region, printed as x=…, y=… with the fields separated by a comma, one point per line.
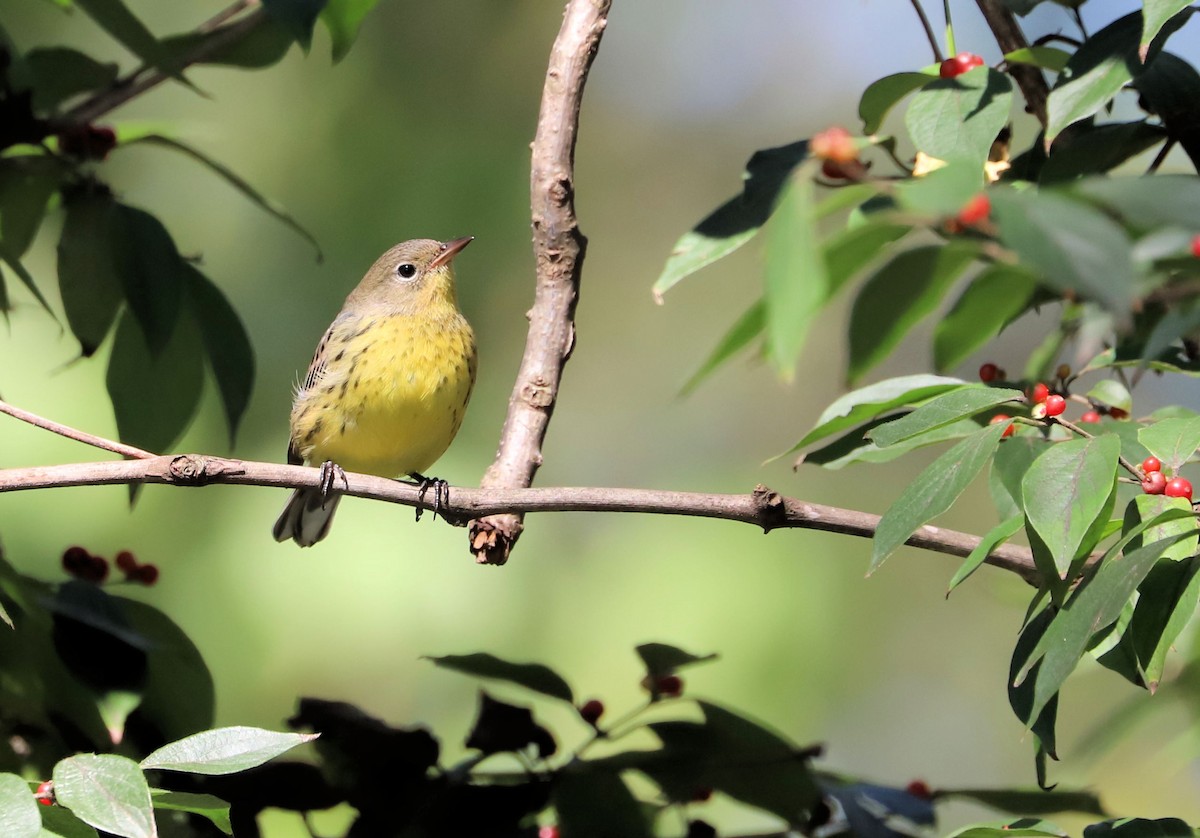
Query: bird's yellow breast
x=390, y=395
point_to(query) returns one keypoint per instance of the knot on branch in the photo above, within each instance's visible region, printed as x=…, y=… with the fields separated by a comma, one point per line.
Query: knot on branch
x=493, y=538
x=197, y=470
x=538, y=393
x=561, y=191
x=769, y=506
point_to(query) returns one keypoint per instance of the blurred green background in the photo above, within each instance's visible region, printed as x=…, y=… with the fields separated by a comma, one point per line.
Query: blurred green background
x=424, y=131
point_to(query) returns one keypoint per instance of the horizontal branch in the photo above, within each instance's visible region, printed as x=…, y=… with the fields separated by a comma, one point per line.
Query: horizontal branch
x=762, y=507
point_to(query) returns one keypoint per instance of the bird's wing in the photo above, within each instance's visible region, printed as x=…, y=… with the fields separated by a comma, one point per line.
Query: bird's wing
x=317, y=367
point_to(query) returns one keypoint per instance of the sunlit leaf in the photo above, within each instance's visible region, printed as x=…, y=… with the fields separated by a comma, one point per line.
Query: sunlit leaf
x=883, y=94
x=1173, y=441
x=1155, y=15
x=1046, y=58
x=959, y=118
x=225, y=750
x=942, y=410
x=19, y=816
x=108, y=792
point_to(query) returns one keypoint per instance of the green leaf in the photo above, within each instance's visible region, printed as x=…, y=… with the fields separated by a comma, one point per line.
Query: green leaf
x=204, y=805
x=959, y=118
x=225, y=750
x=736, y=221
x=1065, y=491
x=152, y=272
x=106, y=791
x=854, y=447
x=883, y=94
x=851, y=250
x=1095, y=149
x=1096, y=604
x=736, y=756
x=747, y=328
x=26, y=184
x=993, y=299
x=996, y=536
x=866, y=403
x=1072, y=246
x=1045, y=58
x=258, y=47
x=1098, y=70
x=1147, y=202
x=154, y=396
x=297, y=16
x=60, y=73
x=942, y=192
x=226, y=343
x=933, y=492
x=1021, y=695
x=531, y=676
x=257, y=198
x=1111, y=392
x=1169, y=87
x=1167, y=601
x=1155, y=15
x=1140, y=828
x=1173, y=441
x=19, y=816
x=898, y=295
x=661, y=659
x=1029, y=802
x=88, y=279
x=1024, y=828
x=796, y=286
x=58, y=822
x=942, y=410
x=343, y=18
x=591, y=804
x=115, y=19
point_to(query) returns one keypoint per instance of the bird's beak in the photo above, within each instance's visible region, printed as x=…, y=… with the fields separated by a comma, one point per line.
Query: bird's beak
x=449, y=250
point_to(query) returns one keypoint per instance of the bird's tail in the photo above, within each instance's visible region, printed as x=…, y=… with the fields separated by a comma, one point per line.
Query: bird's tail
x=307, y=517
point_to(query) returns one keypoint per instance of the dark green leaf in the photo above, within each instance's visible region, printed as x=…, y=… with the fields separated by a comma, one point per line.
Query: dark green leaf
x=1021, y=695
x=1072, y=246
x=154, y=396
x=1065, y=491
x=225, y=342
x=107, y=791
x=1173, y=441
x=933, y=492
x=1155, y=15
x=205, y=805
x=58, y=822
x=298, y=16
x=1140, y=828
x=995, y=297
x=531, y=676
x=661, y=659
x=959, y=118
x=1029, y=802
x=1096, y=149
x=747, y=328
x=1098, y=70
x=60, y=73
x=152, y=272
x=88, y=279
x=19, y=816
x=996, y=536
x=260, y=46
x=596, y=804
x=116, y=19
x=1169, y=87
x=882, y=94
x=343, y=18
x=866, y=403
x=1162, y=200
x=26, y=279
x=737, y=220
x=225, y=750
x=897, y=296
x=233, y=180
x=1177, y=322
x=26, y=184
x=942, y=410
x=854, y=447
x=1047, y=58
x=1166, y=603
x=796, y=287
x=1011, y=462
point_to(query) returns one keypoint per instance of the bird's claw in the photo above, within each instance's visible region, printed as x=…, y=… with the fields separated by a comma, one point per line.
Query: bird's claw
x=331, y=473
x=441, y=493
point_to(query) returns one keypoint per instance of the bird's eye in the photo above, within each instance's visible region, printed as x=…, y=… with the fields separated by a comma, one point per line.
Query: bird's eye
x=406, y=270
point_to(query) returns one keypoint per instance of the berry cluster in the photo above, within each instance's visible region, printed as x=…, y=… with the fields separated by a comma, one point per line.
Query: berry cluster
x=1047, y=403
x=81, y=564
x=1154, y=482
x=837, y=149
x=959, y=64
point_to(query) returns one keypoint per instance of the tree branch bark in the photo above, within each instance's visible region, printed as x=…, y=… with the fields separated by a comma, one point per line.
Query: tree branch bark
x=559, y=248
x=1009, y=36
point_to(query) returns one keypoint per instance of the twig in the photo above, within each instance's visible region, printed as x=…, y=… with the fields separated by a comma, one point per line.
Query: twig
x=761, y=508
x=1009, y=36
x=75, y=434
x=558, y=248
x=929, y=33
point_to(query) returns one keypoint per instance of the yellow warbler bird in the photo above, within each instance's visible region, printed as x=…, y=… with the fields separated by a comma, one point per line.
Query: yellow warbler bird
x=388, y=387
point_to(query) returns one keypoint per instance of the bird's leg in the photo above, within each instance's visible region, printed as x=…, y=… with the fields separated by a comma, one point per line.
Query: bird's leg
x=441, y=492
x=331, y=472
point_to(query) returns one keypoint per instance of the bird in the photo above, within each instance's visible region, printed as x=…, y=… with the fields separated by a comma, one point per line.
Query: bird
x=388, y=386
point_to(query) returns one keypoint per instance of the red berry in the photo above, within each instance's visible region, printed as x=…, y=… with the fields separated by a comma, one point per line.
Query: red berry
x=147, y=574
x=75, y=560
x=88, y=142
x=1055, y=404
x=548, y=831
x=1118, y=413
x=959, y=64
x=1038, y=394
x=919, y=788
x=97, y=570
x=1003, y=417
x=1180, y=487
x=126, y=561
x=1151, y=463
x=670, y=686
x=45, y=793
x=988, y=373
x=591, y=711
x=1196, y=245
x=834, y=144
x=975, y=210
x=1154, y=483
x=1090, y=416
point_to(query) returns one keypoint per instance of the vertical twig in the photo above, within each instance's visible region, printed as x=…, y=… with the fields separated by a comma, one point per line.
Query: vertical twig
x=1009, y=36
x=929, y=33
x=558, y=248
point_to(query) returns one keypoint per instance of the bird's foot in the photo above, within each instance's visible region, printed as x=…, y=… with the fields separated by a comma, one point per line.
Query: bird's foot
x=331, y=473
x=441, y=493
